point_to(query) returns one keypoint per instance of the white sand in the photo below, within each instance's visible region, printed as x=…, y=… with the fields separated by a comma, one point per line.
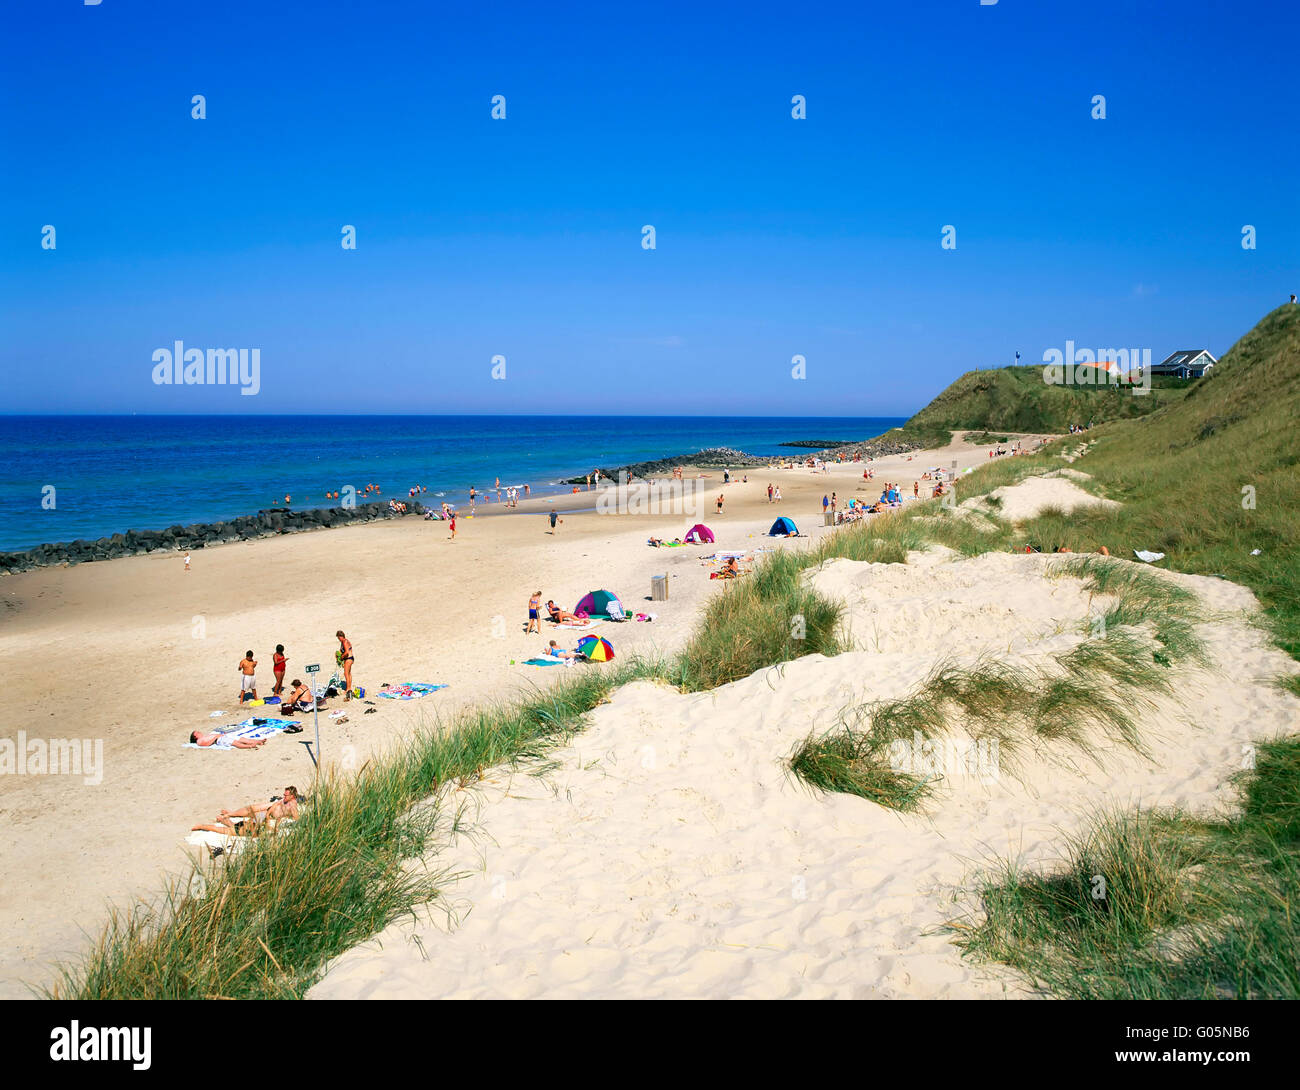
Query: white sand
x=673, y=854
x=1028, y=498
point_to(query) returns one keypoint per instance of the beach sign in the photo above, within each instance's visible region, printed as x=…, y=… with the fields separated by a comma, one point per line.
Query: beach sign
x=314, y=668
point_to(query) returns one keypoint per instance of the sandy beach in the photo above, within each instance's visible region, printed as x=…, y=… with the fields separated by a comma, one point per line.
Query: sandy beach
x=137, y=653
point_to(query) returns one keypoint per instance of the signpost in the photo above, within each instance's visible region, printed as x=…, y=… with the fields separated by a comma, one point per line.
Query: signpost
x=312, y=670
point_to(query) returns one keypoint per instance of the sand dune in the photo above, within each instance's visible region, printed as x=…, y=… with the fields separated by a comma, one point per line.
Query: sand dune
x=673, y=854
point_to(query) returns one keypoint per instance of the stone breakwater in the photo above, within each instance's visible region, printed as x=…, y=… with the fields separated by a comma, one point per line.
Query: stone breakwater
x=199, y=535
x=714, y=457
x=892, y=442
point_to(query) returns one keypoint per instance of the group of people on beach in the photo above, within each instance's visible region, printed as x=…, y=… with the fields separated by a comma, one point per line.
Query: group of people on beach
x=300, y=697
x=553, y=613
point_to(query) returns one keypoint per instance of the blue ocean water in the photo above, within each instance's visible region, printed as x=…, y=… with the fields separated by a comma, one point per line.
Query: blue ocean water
x=110, y=474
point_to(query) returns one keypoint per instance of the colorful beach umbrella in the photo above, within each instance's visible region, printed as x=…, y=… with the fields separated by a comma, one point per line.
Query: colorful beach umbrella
x=596, y=648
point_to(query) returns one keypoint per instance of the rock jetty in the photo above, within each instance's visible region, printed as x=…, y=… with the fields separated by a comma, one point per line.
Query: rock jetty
x=199, y=535
x=714, y=457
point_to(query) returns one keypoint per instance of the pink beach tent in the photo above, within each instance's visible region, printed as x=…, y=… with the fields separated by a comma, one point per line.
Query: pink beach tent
x=699, y=532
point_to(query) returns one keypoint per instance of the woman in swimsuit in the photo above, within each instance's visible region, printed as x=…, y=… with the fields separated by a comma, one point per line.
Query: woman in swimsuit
x=534, y=612
x=345, y=645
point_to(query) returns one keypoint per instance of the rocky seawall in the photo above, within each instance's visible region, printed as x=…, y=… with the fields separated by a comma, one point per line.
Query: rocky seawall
x=199, y=535
x=714, y=457
x=892, y=442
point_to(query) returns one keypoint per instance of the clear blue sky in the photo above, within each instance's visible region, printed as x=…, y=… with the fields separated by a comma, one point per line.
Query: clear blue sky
x=523, y=237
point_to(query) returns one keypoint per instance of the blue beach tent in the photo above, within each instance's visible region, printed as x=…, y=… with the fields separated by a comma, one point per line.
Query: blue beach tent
x=783, y=527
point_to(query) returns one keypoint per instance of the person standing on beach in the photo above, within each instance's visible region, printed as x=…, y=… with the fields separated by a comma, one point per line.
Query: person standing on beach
x=554, y=519
x=278, y=662
x=769, y=493
x=720, y=503
x=451, y=524
x=248, y=683
x=534, y=613
x=472, y=494
x=778, y=493
x=187, y=561
x=826, y=502
x=347, y=658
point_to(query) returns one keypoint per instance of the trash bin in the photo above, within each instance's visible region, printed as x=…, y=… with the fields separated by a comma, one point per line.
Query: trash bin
x=659, y=588
x=828, y=518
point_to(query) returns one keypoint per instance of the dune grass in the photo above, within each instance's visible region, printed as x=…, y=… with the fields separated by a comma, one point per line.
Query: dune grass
x=764, y=619
x=1093, y=691
x=1160, y=905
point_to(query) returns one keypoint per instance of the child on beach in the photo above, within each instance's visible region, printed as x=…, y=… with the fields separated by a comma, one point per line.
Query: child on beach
x=248, y=683
x=451, y=523
x=554, y=519
x=187, y=561
x=278, y=662
x=534, y=613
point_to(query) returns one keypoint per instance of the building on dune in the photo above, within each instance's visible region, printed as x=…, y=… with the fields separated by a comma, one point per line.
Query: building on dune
x=1186, y=363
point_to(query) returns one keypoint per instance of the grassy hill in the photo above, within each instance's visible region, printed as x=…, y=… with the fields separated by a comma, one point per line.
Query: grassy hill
x=1017, y=399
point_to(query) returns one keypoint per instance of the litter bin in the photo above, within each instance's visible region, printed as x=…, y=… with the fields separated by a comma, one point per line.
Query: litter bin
x=659, y=588
x=828, y=518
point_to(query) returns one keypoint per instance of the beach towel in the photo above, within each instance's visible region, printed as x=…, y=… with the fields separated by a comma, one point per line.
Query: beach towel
x=250, y=729
x=410, y=690
x=543, y=660
x=226, y=841
x=1148, y=557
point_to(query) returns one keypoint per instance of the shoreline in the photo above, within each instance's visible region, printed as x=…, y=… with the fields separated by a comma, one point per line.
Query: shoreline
x=273, y=521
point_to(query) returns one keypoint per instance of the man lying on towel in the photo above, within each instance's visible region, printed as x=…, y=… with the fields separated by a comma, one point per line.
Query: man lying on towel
x=229, y=821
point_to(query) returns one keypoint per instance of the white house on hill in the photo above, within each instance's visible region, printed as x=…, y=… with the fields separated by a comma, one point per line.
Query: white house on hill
x=1186, y=363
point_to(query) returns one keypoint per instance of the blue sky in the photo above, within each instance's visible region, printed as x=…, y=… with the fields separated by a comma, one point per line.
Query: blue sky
x=522, y=238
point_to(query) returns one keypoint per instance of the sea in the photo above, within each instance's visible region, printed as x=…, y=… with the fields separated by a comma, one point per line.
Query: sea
x=69, y=477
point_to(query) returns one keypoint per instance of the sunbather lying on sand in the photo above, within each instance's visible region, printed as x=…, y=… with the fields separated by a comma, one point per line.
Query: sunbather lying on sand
x=558, y=615
x=200, y=739
x=228, y=821
x=560, y=653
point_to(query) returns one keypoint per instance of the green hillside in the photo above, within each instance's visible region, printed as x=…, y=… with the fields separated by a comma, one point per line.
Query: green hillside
x=1017, y=399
